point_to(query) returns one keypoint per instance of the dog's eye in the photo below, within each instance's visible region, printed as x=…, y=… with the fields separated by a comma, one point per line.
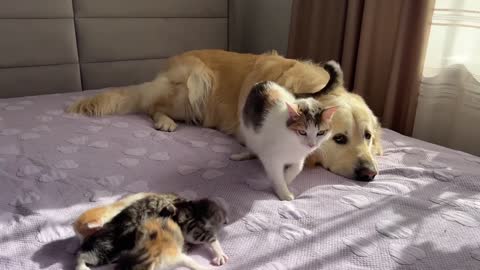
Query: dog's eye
x=321, y=133
x=302, y=132
x=340, y=139
x=368, y=135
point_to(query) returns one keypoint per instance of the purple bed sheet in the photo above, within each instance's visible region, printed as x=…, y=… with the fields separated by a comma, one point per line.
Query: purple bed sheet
x=421, y=212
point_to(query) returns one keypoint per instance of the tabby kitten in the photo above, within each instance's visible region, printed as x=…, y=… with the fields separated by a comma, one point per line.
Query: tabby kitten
x=200, y=221
x=158, y=245
x=281, y=131
x=105, y=245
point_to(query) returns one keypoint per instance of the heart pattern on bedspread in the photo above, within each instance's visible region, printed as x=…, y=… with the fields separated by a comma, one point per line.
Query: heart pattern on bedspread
x=422, y=211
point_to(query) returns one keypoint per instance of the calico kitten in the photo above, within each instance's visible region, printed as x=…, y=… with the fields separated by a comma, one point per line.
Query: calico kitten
x=93, y=219
x=119, y=235
x=105, y=245
x=281, y=131
x=158, y=245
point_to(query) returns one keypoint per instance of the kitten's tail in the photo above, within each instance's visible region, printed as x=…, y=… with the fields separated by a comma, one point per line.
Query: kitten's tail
x=336, y=79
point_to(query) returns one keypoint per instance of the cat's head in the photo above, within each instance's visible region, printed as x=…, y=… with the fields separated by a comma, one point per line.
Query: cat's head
x=205, y=211
x=309, y=121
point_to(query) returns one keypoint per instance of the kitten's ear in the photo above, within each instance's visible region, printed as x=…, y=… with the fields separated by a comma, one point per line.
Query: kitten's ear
x=169, y=210
x=93, y=225
x=292, y=110
x=328, y=113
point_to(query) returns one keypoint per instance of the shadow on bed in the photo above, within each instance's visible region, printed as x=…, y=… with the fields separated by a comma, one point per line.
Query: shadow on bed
x=57, y=252
x=407, y=216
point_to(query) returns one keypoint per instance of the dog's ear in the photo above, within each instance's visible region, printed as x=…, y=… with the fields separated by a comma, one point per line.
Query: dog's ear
x=377, y=140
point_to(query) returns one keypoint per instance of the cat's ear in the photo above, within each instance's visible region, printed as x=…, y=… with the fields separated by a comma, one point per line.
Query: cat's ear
x=94, y=225
x=169, y=210
x=328, y=113
x=292, y=110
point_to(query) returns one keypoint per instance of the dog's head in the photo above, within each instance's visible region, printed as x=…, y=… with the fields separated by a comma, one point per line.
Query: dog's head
x=355, y=140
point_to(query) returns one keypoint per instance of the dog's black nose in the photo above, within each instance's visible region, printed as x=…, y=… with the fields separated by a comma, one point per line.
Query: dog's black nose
x=364, y=174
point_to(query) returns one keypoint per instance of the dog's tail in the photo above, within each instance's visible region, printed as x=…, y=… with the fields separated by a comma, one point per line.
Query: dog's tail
x=336, y=79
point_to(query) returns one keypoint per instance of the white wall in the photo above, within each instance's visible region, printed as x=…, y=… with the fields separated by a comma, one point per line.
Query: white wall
x=257, y=26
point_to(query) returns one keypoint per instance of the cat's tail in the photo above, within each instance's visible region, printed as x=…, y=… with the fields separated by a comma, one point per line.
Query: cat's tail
x=336, y=80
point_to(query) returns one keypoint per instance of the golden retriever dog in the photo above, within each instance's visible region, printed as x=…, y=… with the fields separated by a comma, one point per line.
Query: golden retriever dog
x=206, y=87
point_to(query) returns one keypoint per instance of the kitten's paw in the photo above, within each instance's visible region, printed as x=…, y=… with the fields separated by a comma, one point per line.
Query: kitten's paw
x=165, y=124
x=220, y=260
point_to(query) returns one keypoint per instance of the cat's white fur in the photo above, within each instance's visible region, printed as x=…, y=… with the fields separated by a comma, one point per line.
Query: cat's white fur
x=276, y=145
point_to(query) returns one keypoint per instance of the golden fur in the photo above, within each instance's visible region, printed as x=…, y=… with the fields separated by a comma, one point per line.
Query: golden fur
x=207, y=87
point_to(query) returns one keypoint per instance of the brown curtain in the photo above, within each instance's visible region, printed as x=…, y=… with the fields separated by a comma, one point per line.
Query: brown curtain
x=379, y=43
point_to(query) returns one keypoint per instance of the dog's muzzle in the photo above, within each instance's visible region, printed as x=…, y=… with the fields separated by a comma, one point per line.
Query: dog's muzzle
x=364, y=173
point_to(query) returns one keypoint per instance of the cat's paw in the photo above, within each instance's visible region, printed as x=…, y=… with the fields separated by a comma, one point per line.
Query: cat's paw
x=286, y=196
x=236, y=157
x=242, y=156
x=220, y=259
x=165, y=124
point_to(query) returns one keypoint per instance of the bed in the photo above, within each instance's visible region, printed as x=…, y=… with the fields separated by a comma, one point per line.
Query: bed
x=421, y=212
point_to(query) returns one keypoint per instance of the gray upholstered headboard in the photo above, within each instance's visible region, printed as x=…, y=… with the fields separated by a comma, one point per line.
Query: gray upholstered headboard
x=51, y=46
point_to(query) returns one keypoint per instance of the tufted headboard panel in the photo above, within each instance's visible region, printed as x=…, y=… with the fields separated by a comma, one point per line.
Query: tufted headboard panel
x=53, y=46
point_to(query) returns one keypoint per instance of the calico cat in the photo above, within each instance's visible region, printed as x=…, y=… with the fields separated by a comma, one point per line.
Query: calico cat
x=281, y=131
x=158, y=245
x=93, y=219
x=118, y=236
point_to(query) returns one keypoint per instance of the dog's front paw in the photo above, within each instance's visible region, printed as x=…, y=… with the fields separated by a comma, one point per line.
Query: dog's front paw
x=165, y=124
x=220, y=259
